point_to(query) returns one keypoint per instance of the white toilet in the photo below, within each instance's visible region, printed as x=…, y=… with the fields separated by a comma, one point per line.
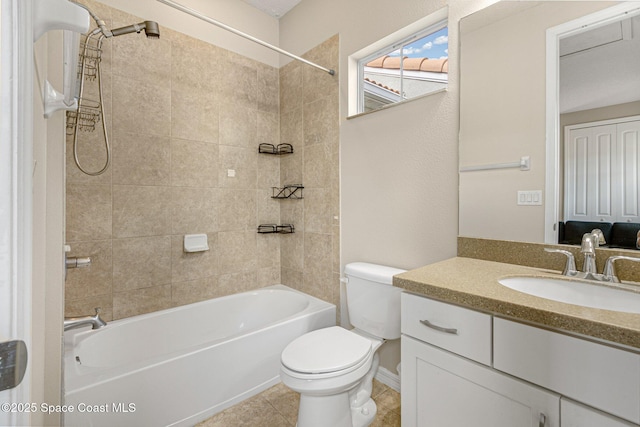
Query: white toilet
x=333, y=368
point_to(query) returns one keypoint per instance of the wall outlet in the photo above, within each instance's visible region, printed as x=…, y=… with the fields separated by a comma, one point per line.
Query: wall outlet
x=231, y=173
x=530, y=198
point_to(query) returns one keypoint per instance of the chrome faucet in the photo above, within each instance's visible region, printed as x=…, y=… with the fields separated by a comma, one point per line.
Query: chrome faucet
x=570, y=266
x=77, y=322
x=590, y=241
x=609, y=269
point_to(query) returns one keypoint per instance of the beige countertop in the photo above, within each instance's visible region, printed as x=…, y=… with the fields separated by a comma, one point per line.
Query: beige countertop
x=474, y=284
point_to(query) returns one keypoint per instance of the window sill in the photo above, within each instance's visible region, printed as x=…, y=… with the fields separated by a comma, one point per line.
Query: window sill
x=386, y=107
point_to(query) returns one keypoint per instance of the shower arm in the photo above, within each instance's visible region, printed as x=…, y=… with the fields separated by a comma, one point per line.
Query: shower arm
x=241, y=34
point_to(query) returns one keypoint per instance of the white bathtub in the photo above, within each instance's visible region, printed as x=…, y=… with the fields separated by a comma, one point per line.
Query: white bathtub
x=179, y=366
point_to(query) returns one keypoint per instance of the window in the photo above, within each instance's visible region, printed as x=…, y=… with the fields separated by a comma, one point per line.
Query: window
x=413, y=66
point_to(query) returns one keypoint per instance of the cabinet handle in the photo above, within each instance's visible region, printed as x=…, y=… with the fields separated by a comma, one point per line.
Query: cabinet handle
x=543, y=420
x=439, y=328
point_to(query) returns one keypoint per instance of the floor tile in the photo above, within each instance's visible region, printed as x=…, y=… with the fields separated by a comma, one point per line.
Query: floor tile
x=278, y=407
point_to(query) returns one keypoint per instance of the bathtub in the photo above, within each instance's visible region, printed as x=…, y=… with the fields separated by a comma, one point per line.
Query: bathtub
x=179, y=366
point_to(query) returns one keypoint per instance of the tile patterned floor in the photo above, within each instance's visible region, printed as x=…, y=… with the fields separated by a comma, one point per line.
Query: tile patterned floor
x=278, y=407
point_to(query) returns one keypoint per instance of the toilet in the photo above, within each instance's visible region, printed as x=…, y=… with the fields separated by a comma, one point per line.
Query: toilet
x=333, y=368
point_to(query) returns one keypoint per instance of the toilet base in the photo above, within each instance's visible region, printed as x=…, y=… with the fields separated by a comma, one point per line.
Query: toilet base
x=323, y=411
x=364, y=415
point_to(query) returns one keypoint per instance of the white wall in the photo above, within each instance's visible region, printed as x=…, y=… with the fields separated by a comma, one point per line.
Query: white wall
x=399, y=179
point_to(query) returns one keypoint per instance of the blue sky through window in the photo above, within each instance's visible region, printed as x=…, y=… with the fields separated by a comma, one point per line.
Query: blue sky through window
x=434, y=46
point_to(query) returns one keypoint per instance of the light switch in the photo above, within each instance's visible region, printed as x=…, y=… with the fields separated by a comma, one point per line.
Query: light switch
x=530, y=198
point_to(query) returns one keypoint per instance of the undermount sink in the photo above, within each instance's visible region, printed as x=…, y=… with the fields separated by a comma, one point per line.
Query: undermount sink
x=578, y=293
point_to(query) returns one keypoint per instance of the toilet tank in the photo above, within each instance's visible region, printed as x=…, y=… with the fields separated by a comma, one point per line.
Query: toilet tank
x=373, y=303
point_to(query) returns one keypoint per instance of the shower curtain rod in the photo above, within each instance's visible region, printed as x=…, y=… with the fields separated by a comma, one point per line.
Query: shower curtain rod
x=241, y=34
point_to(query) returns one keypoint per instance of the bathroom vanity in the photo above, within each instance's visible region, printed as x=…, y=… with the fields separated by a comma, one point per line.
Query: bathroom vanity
x=477, y=353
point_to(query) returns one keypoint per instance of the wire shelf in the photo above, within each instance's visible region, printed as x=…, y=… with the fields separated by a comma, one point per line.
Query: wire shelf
x=91, y=56
x=275, y=228
x=86, y=117
x=291, y=191
x=278, y=150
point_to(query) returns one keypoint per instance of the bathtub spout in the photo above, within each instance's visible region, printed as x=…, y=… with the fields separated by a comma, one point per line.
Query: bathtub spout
x=77, y=322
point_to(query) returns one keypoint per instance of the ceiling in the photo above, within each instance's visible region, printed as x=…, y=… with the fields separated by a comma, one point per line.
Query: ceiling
x=600, y=67
x=275, y=8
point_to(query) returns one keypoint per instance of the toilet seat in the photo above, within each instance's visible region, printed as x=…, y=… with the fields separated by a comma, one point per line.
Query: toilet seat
x=326, y=352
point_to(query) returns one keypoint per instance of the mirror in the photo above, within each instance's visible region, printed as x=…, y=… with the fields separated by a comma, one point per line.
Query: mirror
x=514, y=105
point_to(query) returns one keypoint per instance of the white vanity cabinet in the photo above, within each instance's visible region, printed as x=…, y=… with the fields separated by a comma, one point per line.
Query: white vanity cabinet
x=461, y=367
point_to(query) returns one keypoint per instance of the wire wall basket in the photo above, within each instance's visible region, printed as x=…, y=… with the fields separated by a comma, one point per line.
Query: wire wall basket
x=90, y=55
x=86, y=117
x=291, y=191
x=275, y=228
x=278, y=150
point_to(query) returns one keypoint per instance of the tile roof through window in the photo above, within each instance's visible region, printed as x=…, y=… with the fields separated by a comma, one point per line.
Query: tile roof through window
x=410, y=64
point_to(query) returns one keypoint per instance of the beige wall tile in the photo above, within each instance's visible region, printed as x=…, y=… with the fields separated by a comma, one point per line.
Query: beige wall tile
x=152, y=57
x=194, y=164
x=240, y=86
x=141, y=211
x=268, y=209
x=194, y=114
x=291, y=278
x=317, y=165
x=292, y=250
x=268, y=127
x=194, y=210
x=141, y=262
x=141, y=107
x=194, y=291
x=86, y=306
x=269, y=250
x=318, y=213
x=320, y=121
x=291, y=91
x=88, y=212
x=92, y=156
x=234, y=283
x=141, y=301
x=268, y=89
x=188, y=266
x=94, y=280
x=268, y=276
x=238, y=210
x=240, y=251
x=194, y=64
x=317, y=253
x=243, y=161
x=141, y=159
x=239, y=126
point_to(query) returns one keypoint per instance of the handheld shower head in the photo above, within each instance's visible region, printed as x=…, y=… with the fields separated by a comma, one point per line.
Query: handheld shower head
x=151, y=29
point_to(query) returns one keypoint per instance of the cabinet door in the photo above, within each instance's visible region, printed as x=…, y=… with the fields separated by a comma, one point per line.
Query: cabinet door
x=577, y=415
x=440, y=389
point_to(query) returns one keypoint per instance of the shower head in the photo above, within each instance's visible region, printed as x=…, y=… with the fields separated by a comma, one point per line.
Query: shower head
x=151, y=29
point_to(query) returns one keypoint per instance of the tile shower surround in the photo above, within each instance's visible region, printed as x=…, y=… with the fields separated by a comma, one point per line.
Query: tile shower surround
x=180, y=113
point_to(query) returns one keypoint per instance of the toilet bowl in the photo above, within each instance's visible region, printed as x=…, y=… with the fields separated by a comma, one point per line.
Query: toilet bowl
x=333, y=368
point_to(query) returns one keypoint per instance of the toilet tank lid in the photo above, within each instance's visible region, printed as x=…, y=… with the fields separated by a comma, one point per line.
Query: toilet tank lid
x=373, y=272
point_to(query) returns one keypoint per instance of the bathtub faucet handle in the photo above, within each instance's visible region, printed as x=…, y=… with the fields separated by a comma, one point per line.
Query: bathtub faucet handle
x=76, y=322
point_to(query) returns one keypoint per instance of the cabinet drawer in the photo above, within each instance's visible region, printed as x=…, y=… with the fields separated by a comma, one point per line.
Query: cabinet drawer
x=456, y=329
x=604, y=377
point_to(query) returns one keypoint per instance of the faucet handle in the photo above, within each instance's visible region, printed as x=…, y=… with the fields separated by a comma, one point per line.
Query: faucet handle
x=570, y=266
x=599, y=237
x=609, y=268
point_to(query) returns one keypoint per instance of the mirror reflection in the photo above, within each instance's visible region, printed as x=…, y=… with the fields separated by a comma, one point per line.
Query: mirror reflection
x=592, y=175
